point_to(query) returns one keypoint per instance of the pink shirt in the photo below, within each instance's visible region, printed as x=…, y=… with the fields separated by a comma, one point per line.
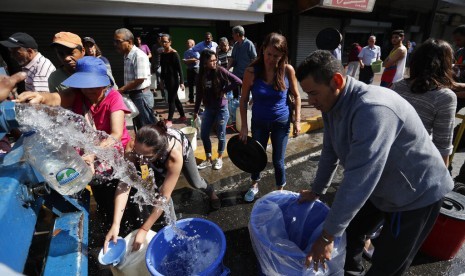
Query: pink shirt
x=101, y=113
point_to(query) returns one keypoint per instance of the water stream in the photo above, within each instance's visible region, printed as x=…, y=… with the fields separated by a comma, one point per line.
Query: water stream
x=60, y=126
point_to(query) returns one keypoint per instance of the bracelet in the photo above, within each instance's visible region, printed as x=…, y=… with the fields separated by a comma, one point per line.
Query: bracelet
x=325, y=239
x=144, y=229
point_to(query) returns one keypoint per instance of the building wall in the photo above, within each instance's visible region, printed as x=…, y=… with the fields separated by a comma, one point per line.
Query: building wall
x=101, y=28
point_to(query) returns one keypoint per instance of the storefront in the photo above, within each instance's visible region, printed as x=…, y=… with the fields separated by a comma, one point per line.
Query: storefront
x=100, y=18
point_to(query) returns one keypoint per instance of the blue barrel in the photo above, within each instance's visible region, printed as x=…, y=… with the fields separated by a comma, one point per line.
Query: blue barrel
x=200, y=253
x=282, y=232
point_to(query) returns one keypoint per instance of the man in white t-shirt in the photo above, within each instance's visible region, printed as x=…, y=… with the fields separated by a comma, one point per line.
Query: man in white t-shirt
x=366, y=57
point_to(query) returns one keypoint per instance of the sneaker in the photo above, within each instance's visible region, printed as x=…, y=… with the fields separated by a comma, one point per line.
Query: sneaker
x=204, y=164
x=183, y=119
x=250, y=195
x=218, y=164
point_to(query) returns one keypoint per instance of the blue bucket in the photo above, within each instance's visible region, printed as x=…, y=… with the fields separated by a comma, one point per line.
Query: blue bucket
x=282, y=232
x=167, y=254
x=115, y=252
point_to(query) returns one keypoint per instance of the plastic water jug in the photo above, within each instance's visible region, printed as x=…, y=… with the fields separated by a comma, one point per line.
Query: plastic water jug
x=61, y=166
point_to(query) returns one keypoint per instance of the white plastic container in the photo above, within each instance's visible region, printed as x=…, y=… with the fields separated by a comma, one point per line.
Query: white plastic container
x=191, y=134
x=62, y=167
x=131, y=106
x=133, y=263
x=239, y=119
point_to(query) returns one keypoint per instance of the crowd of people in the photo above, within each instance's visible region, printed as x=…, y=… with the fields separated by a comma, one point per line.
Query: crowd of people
x=84, y=84
x=393, y=140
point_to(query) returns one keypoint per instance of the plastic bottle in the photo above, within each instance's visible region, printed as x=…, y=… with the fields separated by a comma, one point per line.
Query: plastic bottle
x=62, y=167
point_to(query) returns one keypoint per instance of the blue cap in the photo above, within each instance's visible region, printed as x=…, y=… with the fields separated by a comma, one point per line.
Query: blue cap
x=91, y=72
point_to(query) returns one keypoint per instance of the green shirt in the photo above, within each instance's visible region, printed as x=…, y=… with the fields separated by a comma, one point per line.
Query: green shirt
x=55, y=80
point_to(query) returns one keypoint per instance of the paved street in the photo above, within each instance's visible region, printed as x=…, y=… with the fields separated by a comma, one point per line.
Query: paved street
x=234, y=216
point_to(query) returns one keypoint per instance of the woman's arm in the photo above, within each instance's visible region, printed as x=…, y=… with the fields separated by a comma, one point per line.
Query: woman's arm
x=177, y=63
x=121, y=198
x=234, y=81
x=199, y=90
x=149, y=53
x=174, y=165
x=117, y=124
x=295, y=93
x=246, y=88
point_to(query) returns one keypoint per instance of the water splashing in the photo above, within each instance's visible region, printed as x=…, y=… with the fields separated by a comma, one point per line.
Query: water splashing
x=60, y=126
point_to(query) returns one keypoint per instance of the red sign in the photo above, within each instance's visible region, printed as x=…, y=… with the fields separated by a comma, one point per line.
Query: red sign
x=357, y=5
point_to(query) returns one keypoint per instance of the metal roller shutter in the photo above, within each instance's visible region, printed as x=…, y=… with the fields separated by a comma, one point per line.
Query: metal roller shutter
x=308, y=30
x=43, y=27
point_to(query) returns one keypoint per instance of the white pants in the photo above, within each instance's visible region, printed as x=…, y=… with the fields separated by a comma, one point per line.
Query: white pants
x=352, y=68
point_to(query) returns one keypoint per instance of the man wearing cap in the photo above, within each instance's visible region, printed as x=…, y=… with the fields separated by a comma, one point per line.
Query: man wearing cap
x=136, y=76
x=69, y=49
x=23, y=49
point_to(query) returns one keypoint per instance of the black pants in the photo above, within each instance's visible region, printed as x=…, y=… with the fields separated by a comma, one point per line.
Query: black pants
x=191, y=76
x=133, y=217
x=366, y=74
x=461, y=176
x=400, y=239
x=173, y=100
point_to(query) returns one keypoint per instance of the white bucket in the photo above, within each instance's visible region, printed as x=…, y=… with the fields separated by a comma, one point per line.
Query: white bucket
x=134, y=262
x=191, y=134
x=239, y=122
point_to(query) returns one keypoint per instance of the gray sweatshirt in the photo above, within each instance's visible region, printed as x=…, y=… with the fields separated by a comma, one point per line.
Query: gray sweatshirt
x=386, y=153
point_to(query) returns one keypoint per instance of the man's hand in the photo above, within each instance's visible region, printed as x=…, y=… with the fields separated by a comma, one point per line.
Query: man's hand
x=319, y=254
x=7, y=84
x=307, y=196
x=30, y=97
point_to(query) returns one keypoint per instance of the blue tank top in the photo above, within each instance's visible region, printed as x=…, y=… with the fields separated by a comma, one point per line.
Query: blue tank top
x=269, y=104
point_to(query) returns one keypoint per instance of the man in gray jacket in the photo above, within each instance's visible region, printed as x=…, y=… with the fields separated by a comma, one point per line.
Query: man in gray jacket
x=392, y=170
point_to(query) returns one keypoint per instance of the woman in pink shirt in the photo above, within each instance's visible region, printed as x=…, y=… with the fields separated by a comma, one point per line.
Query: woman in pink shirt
x=92, y=96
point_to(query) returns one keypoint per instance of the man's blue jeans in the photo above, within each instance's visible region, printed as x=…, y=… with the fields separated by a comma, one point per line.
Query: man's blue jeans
x=279, y=133
x=210, y=115
x=144, y=102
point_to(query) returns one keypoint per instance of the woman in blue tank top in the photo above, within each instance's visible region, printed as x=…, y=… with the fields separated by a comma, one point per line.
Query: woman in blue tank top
x=271, y=80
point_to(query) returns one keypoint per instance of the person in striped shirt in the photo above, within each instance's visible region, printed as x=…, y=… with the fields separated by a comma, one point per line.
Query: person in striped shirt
x=24, y=49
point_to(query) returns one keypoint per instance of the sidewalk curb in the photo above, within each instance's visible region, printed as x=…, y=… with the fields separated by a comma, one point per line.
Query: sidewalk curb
x=231, y=178
x=306, y=126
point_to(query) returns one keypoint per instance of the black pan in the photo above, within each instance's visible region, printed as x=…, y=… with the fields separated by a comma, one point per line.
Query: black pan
x=250, y=157
x=328, y=39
